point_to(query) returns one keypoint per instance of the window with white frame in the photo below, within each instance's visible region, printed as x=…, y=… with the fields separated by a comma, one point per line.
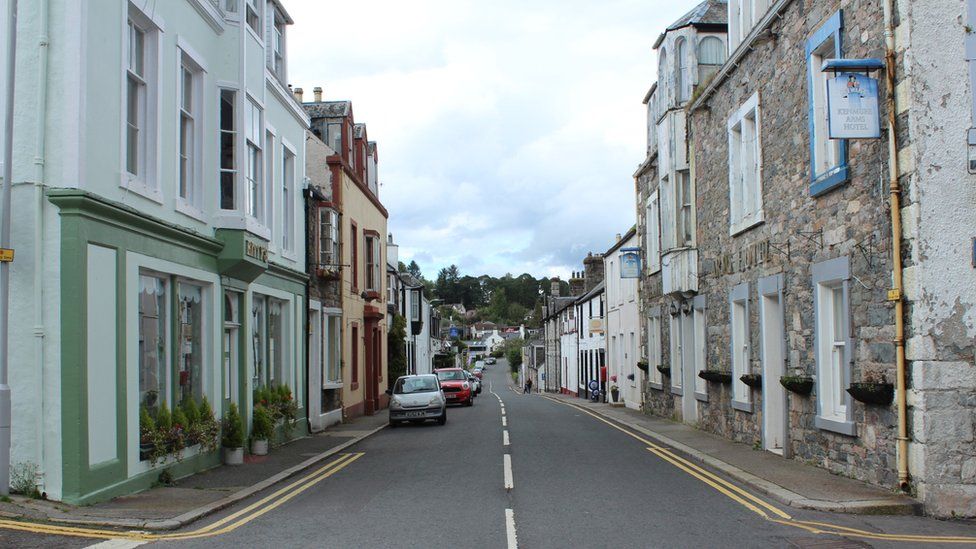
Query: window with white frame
x=684, y=209
x=288, y=194
x=828, y=157
x=335, y=137
x=743, y=16
x=276, y=41
x=252, y=15
x=745, y=167
x=682, y=67
x=190, y=132
x=332, y=349
x=415, y=305
x=711, y=56
x=373, y=264
x=833, y=344
x=653, y=233
x=228, y=149
x=328, y=237
x=141, y=92
x=253, y=176
x=654, y=347
x=269, y=188
x=739, y=313
x=677, y=350
x=662, y=75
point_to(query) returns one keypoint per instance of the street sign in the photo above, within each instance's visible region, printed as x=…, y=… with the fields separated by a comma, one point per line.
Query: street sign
x=6, y=255
x=852, y=107
x=630, y=263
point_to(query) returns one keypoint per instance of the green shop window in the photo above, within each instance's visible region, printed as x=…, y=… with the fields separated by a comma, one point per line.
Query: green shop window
x=269, y=341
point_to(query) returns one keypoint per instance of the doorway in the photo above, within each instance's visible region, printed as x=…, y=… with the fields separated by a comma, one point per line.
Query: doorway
x=773, y=335
x=231, y=349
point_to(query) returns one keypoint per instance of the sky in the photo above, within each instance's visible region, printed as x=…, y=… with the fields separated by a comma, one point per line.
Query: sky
x=508, y=131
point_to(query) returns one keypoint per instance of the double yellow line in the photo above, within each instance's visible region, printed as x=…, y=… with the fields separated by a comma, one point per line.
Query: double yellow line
x=756, y=504
x=222, y=526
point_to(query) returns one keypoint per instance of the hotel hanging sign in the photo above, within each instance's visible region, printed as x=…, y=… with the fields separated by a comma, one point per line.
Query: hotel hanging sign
x=852, y=99
x=630, y=263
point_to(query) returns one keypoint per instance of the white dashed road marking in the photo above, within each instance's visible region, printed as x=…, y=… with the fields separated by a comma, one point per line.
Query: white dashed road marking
x=510, y=529
x=505, y=441
x=509, y=483
x=504, y=421
x=129, y=544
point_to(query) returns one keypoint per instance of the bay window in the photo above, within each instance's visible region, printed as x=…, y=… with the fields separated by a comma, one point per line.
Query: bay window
x=684, y=209
x=328, y=237
x=253, y=187
x=276, y=42
x=653, y=233
x=288, y=194
x=252, y=16
x=228, y=149
x=711, y=56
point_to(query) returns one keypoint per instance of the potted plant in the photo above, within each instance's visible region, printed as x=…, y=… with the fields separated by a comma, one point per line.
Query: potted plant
x=879, y=393
x=262, y=429
x=665, y=370
x=716, y=376
x=801, y=385
x=147, y=434
x=206, y=430
x=615, y=391
x=752, y=380
x=233, y=437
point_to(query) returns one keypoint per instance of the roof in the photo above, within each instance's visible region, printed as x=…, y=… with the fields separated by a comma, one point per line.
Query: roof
x=359, y=130
x=328, y=109
x=623, y=239
x=710, y=13
x=597, y=290
x=410, y=280
x=560, y=304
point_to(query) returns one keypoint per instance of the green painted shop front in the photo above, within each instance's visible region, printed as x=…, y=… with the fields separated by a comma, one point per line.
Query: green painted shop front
x=153, y=314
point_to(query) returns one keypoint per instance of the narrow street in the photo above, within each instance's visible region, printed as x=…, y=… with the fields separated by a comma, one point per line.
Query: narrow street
x=432, y=486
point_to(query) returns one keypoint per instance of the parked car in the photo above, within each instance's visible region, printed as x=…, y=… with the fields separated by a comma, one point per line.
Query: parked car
x=475, y=383
x=490, y=360
x=417, y=398
x=479, y=372
x=455, y=384
x=479, y=365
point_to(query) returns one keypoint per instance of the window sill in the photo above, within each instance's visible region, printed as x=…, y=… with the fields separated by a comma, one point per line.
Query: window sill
x=742, y=406
x=677, y=391
x=251, y=31
x=141, y=188
x=655, y=385
x=747, y=226
x=829, y=181
x=332, y=385
x=189, y=210
x=842, y=427
x=701, y=397
x=290, y=255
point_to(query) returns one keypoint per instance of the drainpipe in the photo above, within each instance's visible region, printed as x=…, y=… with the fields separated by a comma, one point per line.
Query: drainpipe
x=39, y=136
x=895, y=205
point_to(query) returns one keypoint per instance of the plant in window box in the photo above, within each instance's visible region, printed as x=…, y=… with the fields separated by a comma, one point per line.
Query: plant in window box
x=232, y=439
x=631, y=377
x=752, y=380
x=665, y=370
x=799, y=384
x=147, y=434
x=262, y=429
x=716, y=376
x=176, y=440
x=642, y=365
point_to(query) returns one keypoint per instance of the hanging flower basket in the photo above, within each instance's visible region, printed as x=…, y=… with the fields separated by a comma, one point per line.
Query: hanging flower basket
x=642, y=365
x=631, y=377
x=665, y=370
x=880, y=394
x=752, y=380
x=801, y=385
x=716, y=376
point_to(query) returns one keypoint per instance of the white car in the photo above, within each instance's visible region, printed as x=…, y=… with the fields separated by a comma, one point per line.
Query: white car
x=417, y=399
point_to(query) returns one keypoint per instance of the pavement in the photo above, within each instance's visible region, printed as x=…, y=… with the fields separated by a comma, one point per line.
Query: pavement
x=191, y=498
x=786, y=481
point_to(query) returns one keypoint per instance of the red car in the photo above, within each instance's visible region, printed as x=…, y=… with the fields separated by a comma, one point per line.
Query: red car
x=454, y=383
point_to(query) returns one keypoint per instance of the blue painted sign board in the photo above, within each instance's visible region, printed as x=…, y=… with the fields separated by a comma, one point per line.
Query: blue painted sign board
x=852, y=107
x=630, y=263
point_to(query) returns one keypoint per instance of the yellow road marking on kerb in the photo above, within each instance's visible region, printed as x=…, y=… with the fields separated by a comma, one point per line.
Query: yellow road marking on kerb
x=256, y=509
x=756, y=504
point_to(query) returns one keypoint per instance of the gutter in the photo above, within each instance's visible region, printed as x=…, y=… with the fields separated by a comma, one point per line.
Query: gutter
x=896, y=294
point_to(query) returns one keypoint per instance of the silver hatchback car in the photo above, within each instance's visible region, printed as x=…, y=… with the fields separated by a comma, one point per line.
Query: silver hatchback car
x=417, y=399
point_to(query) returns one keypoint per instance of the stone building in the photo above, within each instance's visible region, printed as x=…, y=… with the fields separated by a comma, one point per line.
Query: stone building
x=789, y=264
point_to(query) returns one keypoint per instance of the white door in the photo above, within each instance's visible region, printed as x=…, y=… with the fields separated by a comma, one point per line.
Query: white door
x=689, y=369
x=773, y=393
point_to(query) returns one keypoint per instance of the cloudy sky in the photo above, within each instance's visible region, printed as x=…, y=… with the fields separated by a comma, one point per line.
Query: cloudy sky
x=508, y=131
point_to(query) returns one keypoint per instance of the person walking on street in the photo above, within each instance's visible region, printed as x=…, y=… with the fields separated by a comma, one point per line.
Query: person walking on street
x=528, y=386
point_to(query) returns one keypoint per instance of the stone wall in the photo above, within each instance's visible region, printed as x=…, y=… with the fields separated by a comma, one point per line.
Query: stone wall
x=798, y=231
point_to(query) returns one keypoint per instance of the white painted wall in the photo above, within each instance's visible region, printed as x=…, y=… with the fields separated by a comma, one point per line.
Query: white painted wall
x=622, y=320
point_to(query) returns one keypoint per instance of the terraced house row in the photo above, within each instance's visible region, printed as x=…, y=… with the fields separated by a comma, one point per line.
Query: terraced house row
x=187, y=229
x=807, y=251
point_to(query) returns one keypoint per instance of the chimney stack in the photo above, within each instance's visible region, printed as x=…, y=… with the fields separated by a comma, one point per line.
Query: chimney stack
x=298, y=94
x=618, y=234
x=577, y=284
x=317, y=92
x=592, y=271
x=554, y=288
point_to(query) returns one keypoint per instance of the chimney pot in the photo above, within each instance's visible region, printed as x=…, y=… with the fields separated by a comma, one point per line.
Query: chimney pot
x=317, y=91
x=298, y=94
x=618, y=237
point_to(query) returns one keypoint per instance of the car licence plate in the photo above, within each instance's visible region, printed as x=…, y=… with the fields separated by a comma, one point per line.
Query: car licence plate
x=420, y=413
x=451, y=395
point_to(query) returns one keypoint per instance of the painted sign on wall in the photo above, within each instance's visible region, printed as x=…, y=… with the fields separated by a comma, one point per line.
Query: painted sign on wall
x=852, y=107
x=630, y=263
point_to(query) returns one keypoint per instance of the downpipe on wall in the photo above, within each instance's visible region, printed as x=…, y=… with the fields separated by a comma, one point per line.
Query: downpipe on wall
x=895, y=206
x=40, y=120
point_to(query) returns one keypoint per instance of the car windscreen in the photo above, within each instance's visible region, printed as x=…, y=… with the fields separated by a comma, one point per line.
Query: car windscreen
x=409, y=385
x=452, y=375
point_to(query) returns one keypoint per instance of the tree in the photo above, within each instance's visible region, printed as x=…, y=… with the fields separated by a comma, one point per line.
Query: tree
x=513, y=352
x=396, y=349
x=414, y=269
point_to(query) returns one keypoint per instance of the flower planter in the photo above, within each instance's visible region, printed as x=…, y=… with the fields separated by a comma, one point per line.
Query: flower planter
x=631, y=377
x=880, y=394
x=665, y=370
x=801, y=385
x=715, y=376
x=146, y=450
x=233, y=456
x=642, y=365
x=615, y=394
x=259, y=447
x=752, y=380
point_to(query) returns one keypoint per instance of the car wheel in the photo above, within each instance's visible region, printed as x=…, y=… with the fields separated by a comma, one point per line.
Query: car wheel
x=443, y=419
x=470, y=401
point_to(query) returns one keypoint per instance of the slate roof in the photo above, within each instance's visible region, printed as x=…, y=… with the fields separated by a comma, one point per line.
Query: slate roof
x=709, y=12
x=328, y=109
